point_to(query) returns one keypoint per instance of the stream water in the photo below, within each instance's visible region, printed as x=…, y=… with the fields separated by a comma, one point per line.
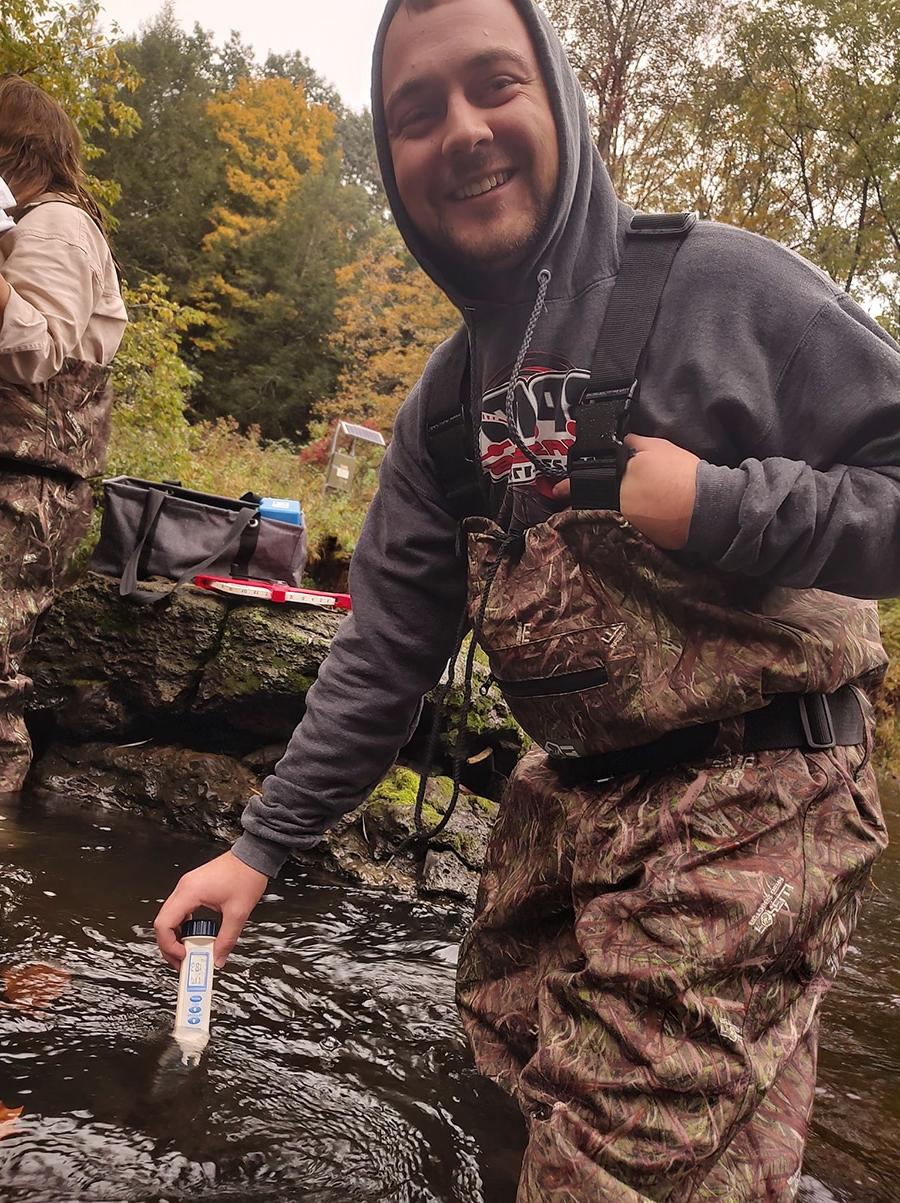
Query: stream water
x=337, y=1072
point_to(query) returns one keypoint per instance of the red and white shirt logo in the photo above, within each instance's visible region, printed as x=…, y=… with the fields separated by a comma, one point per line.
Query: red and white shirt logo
x=546, y=394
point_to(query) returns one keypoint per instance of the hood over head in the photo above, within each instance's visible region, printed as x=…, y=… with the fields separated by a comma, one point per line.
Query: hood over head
x=580, y=240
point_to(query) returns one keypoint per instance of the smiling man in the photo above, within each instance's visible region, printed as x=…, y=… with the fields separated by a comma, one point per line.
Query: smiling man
x=677, y=866
x=471, y=131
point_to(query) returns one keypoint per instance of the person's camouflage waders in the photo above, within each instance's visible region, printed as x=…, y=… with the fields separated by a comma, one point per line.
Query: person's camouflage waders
x=52, y=436
x=646, y=965
x=649, y=951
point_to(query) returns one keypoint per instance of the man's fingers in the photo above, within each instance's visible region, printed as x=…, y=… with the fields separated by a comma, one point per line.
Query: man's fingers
x=172, y=914
x=224, y=884
x=563, y=490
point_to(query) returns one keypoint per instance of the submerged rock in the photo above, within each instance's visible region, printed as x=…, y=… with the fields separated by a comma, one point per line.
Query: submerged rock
x=192, y=791
x=205, y=793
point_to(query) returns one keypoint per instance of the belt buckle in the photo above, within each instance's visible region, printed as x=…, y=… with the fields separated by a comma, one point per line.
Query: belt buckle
x=821, y=720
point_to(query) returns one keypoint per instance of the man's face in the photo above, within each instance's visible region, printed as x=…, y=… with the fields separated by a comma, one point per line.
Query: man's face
x=471, y=131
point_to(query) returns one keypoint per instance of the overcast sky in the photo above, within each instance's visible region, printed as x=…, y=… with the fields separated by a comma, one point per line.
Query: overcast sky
x=335, y=35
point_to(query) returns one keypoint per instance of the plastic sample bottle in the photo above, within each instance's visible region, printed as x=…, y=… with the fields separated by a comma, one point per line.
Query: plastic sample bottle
x=195, y=984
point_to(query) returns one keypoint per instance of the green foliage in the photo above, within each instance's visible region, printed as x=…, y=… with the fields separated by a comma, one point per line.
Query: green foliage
x=224, y=459
x=777, y=117
x=390, y=318
x=170, y=171
x=275, y=290
x=359, y=160
x=57, y=45
x=150, y=433
x=339, y=516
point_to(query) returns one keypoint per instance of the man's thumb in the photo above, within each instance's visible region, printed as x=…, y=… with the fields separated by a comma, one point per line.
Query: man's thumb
x=637, y=442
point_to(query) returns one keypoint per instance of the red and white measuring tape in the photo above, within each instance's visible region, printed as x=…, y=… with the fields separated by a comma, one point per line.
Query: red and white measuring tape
x=267, y=591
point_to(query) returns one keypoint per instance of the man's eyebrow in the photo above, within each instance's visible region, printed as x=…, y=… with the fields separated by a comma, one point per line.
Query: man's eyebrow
x=487, y=58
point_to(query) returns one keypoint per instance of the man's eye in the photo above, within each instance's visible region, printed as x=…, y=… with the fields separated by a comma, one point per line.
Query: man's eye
x=414, y=118
x=501, y=84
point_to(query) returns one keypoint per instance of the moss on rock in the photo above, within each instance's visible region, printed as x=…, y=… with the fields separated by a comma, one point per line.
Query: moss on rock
x=389, y=815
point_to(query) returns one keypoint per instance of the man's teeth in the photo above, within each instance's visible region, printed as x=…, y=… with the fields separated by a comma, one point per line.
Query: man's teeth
x=486, y=185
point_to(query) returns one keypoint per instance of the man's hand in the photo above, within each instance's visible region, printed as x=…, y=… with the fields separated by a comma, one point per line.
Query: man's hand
x=658, y=490
x=226, y=885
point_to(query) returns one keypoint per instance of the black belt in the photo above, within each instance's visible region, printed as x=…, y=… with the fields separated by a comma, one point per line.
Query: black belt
x=811, y=721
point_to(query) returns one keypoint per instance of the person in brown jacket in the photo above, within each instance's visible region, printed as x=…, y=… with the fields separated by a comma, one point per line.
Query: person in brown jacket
x=61, y=321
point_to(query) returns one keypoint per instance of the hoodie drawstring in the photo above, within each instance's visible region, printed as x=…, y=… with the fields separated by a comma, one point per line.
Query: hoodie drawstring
x=544, y=277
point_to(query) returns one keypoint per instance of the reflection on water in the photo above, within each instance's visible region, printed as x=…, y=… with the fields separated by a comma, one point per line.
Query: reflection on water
x=337, y=1072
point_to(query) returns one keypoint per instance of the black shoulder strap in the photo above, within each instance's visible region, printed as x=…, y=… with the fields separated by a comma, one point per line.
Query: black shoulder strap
x=596, y=459
x=451, y=447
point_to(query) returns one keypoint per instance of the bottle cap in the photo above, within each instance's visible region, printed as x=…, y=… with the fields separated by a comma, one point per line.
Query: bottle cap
x=199, y=927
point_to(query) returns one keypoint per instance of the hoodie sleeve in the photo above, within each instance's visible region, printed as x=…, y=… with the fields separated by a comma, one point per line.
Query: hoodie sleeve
x=408, y=586
x=826, y=511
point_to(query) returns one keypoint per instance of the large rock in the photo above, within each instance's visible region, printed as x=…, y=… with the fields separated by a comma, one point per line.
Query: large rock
x=101, y=666
x=452, y=858
x=266, y=660
x=202, y=670
x=192, y=791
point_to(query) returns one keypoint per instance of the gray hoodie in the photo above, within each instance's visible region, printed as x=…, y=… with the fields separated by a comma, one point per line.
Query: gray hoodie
x=758, y=363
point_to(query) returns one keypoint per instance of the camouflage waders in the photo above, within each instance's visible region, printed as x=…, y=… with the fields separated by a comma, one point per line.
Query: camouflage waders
x=52, y=435
x=650, y=949
x=42, y=521
x=646, y=965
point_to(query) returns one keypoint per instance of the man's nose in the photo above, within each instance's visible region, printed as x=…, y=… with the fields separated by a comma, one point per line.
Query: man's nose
x=465, y=128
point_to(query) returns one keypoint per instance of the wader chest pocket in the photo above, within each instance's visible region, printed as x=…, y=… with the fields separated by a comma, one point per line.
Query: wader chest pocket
x=564, y=688
x=599, y=641
x=545, y=687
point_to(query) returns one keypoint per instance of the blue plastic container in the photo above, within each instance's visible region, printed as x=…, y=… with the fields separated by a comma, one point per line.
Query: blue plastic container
x=282, y=510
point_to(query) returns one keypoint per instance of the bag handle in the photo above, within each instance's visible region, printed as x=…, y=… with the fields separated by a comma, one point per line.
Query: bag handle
x=152, y=506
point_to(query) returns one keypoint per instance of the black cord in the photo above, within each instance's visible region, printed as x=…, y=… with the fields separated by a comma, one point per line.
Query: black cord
x=421, y=832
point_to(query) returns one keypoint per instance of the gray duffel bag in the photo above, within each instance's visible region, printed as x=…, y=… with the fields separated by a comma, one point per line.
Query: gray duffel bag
x=161, y=529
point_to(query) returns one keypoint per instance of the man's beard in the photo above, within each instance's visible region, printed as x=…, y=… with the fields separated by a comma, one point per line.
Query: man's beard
x=462, y=262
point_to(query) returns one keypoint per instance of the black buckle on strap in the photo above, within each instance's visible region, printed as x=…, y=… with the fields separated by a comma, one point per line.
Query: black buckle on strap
x=817, y=721
x=600, y=418
x=596, y=457
x=662, y=225
x=618, y=399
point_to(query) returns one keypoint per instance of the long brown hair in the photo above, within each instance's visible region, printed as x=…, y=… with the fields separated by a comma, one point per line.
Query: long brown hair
x=40, y=144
